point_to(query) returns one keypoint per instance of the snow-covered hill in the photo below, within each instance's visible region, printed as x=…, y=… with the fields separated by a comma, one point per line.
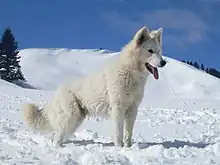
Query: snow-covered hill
x=178, y=121
x=47, y=68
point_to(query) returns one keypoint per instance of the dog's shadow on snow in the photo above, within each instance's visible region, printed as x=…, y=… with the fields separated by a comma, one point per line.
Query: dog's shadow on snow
x=173, y=144
x=143, y=145
x=88, y=142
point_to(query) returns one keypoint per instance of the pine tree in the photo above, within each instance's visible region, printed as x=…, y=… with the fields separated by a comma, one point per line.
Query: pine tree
x=202, y=67
x=10, y=46
x=3, y=64
x=196, y=65
x=183, y=61
x=207, y=70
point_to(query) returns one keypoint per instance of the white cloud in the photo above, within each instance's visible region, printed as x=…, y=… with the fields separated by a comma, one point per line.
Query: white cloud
x=189, y=27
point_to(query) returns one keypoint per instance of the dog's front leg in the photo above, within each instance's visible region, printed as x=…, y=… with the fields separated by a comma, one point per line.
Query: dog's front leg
x=118, y=119
x=130, y=117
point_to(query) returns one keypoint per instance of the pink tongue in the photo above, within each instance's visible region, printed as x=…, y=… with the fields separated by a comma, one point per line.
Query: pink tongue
x=155, y=73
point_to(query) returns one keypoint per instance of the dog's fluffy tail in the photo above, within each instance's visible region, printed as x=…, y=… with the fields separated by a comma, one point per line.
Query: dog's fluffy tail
x=35, y=118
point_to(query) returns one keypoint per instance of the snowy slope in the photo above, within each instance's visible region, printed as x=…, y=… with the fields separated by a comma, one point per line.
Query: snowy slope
x=177, y=123
x=47, y=68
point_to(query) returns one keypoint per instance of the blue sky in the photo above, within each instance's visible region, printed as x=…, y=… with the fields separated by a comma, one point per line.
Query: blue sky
x=191, y=27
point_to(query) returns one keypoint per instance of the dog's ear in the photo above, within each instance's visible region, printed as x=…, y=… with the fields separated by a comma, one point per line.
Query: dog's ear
x=141, y=36
x=159, y=34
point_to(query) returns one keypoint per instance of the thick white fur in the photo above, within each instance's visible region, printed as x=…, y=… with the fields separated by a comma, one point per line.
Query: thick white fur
x=114, y=92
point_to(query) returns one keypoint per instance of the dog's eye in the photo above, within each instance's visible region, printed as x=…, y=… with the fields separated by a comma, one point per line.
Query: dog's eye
x=150, y=50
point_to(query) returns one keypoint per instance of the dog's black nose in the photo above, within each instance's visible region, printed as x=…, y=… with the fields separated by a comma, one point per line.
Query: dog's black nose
x=163, y=63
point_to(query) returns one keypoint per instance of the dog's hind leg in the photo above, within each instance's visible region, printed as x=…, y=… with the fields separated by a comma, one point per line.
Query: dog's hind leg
x=69, y=120
x=67, y=127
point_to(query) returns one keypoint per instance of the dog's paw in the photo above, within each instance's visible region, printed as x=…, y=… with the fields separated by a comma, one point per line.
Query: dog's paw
x=127, y=145
x=118, y=143
x=59, y=145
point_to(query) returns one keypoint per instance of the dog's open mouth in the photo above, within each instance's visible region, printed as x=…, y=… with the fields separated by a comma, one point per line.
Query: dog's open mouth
x=152, y=70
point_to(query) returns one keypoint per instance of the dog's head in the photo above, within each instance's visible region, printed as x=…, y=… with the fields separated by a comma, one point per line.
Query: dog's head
x=148, y=45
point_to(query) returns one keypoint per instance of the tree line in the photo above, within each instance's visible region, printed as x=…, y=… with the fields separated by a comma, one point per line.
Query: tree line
x=211, y=71
x=10, y=69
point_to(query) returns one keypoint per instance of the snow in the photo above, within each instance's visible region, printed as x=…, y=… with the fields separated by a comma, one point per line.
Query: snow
x=178, y=121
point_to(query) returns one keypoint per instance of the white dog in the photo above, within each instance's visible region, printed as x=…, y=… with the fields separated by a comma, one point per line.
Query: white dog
x=115, y=92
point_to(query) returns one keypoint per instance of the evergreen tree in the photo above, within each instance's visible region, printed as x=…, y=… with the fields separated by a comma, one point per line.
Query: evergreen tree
x=12, y=67
x=214, y=72
x=3, y=64
x=202, y=67
x=207, y=70
x=211, y=71
x=196, y=65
